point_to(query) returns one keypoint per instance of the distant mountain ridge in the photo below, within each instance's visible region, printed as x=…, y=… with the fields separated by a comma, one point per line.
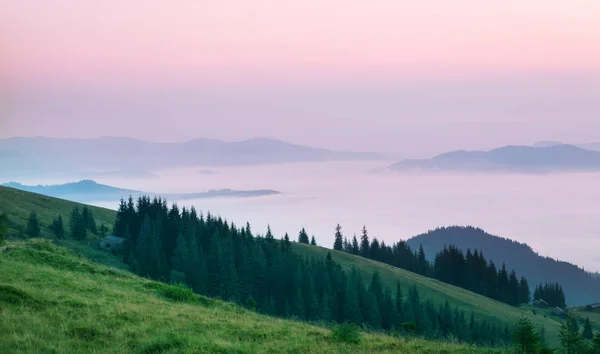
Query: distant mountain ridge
x=88, y=190
x=588, y=146
x=32, y=155
x=581, y=287
x=526, y=159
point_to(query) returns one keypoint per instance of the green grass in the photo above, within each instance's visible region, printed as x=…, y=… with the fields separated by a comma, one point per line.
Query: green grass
x=52, y=301
x=437, y=291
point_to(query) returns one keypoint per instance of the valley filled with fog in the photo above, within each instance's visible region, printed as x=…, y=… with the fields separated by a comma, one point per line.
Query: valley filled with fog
x=556, y=214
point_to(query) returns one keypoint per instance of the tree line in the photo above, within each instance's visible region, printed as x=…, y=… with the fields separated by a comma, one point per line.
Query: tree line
x=80, y=223
x=551, y=293
x=470, y=271
x=218, y=259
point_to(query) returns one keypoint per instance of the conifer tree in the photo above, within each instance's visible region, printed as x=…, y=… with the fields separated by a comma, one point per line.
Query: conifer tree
x=3, y=227
x=88, y=220
x=364, y=243
x=57, y=227
x=524, y=296
x=285, y=243
x=180, y=261
x=524, y=337
x=303, y=236
x=570, y=338
x=588, y=332
x=338, y=244
x=269, y=235
x=33, y=225
x=77, y=224
x=313, y=241
x=355, y=247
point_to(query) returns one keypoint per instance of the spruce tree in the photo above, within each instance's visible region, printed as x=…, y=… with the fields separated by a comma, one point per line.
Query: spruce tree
x=524, y=337
x=269, y=235
x=313, y=241
x=88, y=220
x=77, y=224
x=3, y=227
x=58, y=228
x=588, y=332
x=355, y=247
x=570, y=338
x=285, y=243
x=338, y=243
x=364, y=243
x=303, y=236
x=524, y=296
x=33, y=225
x=180, y=260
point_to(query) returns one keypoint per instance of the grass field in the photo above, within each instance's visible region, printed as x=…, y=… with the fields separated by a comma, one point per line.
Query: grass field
x=18, y=204
x=52, y=301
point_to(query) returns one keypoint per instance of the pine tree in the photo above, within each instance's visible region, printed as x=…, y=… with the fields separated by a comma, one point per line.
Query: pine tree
x=180, y=260
x=88, y=220
x=524, y=296
x=524, y=337
x=588, y=332
x=364, y=243
x=313, y=241
x=338, y=244
x=303, y=236
x=570, y=338
x=285, y=243
x=33, y=225
x=269, y=235
x=3, y=227
x=58, y=228
x=77, y=224
x=355, y=247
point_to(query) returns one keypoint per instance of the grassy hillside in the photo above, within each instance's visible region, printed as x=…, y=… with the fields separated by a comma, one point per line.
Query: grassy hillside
x=437, y=291
x=18, y=204
x=52, y=301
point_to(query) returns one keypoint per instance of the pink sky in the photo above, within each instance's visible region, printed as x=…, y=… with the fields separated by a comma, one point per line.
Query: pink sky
x=56, y=42
x=417, y=76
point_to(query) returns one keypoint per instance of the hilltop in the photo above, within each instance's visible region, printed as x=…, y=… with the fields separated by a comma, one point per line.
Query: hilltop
x=581, y=288
x=523, y=159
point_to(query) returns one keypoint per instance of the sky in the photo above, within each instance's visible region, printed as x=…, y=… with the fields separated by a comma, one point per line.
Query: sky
x=415, y=77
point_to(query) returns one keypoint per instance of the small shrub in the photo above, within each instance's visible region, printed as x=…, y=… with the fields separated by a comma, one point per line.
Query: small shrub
x=180, y=293
x=346, y=333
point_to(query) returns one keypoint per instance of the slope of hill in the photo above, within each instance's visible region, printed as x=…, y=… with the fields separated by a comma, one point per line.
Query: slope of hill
x=580, y=287
x=53, y=301
x=553, y=158
x=87, y=191
x=436, y=290
x=27, y=156
x=18, y=204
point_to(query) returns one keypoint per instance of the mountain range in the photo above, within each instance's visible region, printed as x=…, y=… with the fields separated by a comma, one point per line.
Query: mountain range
x=523, y=159
x=88, y=190
x=31, y=156
x=581, y=287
